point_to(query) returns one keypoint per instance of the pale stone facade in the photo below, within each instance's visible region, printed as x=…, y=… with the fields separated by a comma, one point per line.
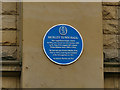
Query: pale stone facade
x=111, y=36
x=110, y=31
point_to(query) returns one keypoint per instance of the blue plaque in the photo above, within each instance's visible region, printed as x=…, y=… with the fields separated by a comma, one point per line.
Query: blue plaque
x=63, y=44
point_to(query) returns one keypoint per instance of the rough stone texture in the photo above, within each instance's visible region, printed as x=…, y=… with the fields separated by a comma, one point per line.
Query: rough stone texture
x=118, y=37
x=110, y=26
x=110, y=3
x=8, y=21
x=111, y=31
x=111, y=54
x=9, y=52
x=9, y=8
x=110, y=12
x=9, y=31
x=110, y=42
x=0, y=8
x=8, y=38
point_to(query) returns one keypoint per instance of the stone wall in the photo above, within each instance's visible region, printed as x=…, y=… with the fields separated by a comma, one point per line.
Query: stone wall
x=9, y=31
x=111, y=31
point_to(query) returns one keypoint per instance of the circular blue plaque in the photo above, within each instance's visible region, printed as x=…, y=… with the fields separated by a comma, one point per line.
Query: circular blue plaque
x=63, y=44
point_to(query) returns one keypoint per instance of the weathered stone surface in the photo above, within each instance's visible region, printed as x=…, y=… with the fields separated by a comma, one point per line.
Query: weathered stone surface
x=119, y=14
x=9, y=8
x=111, y=31
x=110, y=26
x=111, y=53
x=0, y=7
x=119, y=54
x=110, y=12
x=110, y=41
x=9, y=52
x=9, y=21
x=9, y=33
x=8, y=37
x=110, y=3
x=118, y=36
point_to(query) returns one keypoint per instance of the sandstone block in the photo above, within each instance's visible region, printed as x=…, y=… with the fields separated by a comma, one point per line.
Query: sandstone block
x=110, y=26
x=9, y=8
x=110, y=12
x=110, y=3
x=8, y=38
x=9, y=52
x=111, y=53
x=8, y=21
x=110, y=42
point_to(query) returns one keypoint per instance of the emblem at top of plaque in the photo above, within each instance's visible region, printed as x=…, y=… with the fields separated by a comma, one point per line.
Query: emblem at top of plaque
x=63, y=30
